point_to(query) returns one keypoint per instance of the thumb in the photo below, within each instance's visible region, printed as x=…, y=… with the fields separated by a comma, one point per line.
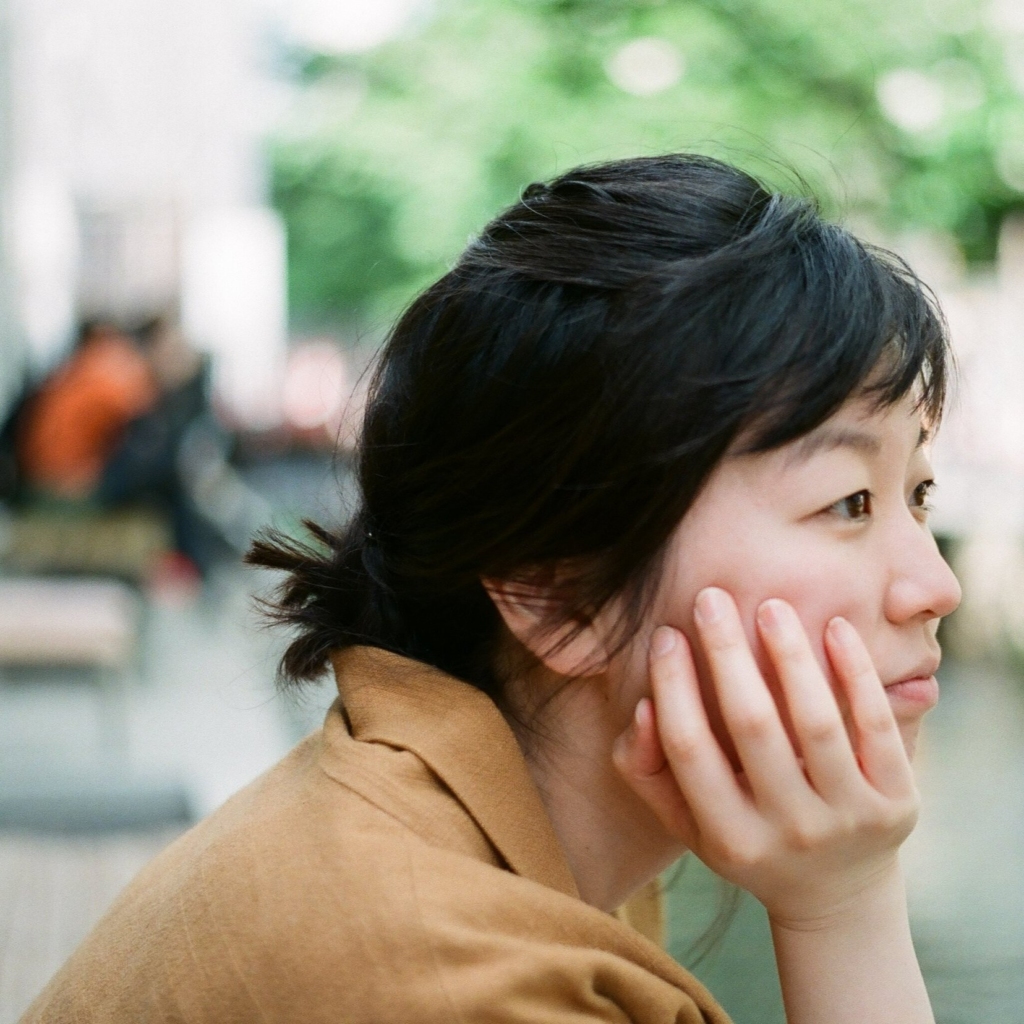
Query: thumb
x=637, y=751
x=640, y=759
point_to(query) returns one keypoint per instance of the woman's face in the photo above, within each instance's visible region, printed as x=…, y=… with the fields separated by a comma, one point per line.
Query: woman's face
x=836, y=524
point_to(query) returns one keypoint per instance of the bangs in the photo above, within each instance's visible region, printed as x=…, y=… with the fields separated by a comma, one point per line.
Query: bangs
x=857, y=322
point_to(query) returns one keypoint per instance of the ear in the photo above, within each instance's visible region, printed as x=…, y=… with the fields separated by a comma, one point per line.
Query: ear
x=568, y=649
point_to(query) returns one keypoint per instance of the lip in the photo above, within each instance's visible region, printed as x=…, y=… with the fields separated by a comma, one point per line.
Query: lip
x=913, y=694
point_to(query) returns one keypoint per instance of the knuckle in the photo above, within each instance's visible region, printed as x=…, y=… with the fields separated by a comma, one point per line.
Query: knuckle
x=804, y=835
x=681, y=746
x=738, y=853
x=670, y=667
x=913, y=812
x=904, y=814
x=877, y=722
x=820, y=730
x=721, y=641
x=751, y=725
x=893, y=817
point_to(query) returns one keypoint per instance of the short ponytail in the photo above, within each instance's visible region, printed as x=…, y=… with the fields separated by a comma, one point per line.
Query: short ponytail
x=328, y=593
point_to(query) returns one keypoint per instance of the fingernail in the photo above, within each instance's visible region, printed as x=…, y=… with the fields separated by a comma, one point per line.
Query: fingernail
x=663, y=640
x=709, y=606
x=838, y=628
x=642, y=712
x=620, y=748
x=770, y=614
x=626, y=739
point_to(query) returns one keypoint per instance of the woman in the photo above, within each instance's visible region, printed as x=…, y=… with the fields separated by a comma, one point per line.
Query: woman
x=642, y=566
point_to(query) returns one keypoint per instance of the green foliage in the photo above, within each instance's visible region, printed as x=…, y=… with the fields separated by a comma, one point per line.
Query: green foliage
x=341, y=237
x=394, y=158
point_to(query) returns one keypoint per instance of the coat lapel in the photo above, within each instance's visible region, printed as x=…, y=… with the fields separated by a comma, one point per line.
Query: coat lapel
x=461, y=735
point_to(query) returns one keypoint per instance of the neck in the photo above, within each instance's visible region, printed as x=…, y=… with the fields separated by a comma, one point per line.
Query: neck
x=612, y=841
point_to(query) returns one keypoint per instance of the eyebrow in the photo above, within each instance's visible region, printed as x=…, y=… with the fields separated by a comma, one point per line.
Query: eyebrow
x=827, y=439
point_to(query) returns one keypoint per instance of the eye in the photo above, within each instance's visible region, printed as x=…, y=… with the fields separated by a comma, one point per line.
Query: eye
x=919, y=499
x=854, y=507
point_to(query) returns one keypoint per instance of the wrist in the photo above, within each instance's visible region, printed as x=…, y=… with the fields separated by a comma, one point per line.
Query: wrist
x=880, y=892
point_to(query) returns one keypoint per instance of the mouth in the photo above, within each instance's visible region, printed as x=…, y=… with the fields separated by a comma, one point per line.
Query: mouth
x=915, y=693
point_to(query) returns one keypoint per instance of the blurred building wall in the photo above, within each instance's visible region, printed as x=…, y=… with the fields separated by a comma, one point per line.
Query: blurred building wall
x=11, y=340
x=130, y=122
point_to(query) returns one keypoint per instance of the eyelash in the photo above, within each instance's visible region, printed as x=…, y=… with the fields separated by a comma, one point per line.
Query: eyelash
x=856, y=507
x=922, y=492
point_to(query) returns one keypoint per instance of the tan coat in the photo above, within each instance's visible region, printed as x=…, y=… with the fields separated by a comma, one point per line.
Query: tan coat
x=396, y=868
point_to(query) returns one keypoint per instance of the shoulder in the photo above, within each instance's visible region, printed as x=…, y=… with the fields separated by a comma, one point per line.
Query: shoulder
x=400, y=929
x=298, y=892
x=366, y=894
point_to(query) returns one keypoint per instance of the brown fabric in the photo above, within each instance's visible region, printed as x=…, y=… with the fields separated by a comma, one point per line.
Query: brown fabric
x=399, y=869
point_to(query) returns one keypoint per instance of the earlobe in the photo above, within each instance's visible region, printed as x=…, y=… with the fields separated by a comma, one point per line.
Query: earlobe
x=530, y=613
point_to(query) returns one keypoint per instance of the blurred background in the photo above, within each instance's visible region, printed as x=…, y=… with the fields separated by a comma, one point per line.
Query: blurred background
x=210, y=210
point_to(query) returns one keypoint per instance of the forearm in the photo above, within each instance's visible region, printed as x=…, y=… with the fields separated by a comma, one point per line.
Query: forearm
x=858, y=968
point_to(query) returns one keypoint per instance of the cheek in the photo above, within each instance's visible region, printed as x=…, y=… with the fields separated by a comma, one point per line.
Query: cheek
x=818, y=580
x=817, y=583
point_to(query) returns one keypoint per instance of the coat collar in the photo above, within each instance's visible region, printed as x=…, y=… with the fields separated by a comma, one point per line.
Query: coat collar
x=460, y=734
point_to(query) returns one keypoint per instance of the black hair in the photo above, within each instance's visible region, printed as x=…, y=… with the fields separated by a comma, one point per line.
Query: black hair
x=555, y=402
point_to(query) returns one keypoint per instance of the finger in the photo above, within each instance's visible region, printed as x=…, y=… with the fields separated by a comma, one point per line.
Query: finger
x=639, y=748
x=638, y=756
x=700, y=768
x=829, y=759
x=883, y=758
x=748, y=708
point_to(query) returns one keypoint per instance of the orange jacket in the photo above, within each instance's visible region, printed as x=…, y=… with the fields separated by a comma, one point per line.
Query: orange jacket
x=73, y=424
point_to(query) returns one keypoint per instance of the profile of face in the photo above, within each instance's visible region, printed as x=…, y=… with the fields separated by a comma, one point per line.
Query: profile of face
x=835, y=523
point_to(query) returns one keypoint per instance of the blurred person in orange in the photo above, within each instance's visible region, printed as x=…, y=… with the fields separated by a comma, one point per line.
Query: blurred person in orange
x=74, y=423
x=152, y=463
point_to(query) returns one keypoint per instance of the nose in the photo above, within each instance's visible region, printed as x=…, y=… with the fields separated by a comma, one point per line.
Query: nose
x=922, y=585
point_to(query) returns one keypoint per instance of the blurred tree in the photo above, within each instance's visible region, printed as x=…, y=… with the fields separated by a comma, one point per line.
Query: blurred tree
x=902, y=115
x=341, y=236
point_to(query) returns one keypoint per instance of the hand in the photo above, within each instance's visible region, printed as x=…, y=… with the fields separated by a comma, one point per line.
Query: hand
x=810, y=825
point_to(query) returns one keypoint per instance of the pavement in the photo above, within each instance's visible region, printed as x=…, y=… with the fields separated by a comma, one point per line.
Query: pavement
x=195, y=718
x=85, y=802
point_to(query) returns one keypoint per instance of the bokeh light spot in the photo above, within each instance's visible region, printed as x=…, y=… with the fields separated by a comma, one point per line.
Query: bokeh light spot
x=911, y=99
x=646, y=66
